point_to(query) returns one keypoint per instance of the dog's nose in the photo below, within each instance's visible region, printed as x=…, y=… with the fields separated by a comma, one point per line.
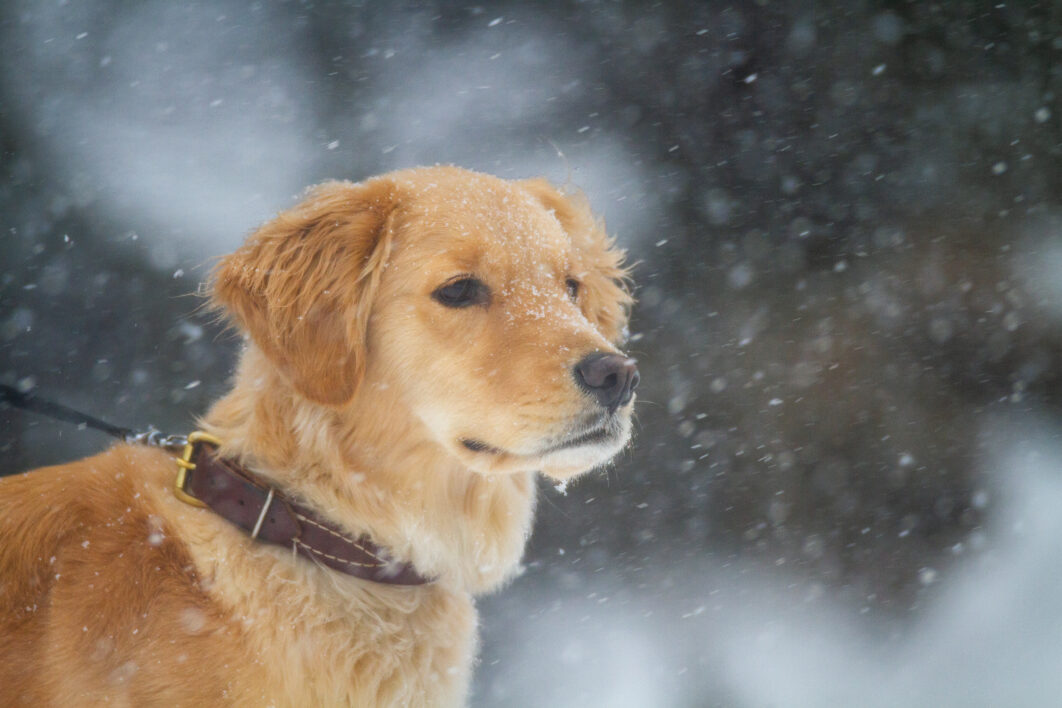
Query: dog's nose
x=611, y=378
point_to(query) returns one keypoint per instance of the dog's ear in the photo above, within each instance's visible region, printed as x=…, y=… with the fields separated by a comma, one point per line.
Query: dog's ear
x=604, y=280
x=303, y=285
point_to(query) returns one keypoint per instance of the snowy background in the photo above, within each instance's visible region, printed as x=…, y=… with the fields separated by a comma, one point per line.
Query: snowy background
x=846, y=487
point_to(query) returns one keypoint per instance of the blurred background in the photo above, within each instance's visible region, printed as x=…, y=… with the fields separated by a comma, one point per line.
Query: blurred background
x=846, y=484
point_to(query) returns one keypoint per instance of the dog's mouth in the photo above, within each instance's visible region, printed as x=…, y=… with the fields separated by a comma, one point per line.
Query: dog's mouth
x=479, y=446
x=600, y=433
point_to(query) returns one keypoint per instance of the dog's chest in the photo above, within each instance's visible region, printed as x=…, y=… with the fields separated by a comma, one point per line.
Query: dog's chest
x=319, y=640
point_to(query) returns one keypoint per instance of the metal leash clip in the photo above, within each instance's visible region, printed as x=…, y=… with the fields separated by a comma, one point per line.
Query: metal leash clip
x=155, y=438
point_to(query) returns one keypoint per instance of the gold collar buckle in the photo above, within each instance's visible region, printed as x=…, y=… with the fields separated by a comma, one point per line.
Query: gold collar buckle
x=185, y=464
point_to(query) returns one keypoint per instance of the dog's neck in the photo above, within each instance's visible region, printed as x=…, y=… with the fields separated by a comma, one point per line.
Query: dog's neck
x=372, y=467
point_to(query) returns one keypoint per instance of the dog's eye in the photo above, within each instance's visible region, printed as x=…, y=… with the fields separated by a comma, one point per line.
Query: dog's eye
x=462, y=293
x=573, y=288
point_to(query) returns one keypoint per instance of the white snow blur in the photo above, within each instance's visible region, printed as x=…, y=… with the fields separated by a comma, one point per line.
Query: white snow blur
x=191, y=128
x=986, y=635
x=153, y=117
x=1037, y=262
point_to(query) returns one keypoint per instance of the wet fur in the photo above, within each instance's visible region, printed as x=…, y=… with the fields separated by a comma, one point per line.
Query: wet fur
x=353, y=393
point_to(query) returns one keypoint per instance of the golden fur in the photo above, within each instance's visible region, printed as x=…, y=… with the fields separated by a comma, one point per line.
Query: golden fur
x=354, y=393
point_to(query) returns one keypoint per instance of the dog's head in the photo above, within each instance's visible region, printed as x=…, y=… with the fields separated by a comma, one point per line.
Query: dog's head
x=491, y=311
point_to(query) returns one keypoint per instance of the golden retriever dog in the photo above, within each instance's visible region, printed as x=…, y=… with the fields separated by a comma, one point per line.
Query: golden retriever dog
x=418, y=345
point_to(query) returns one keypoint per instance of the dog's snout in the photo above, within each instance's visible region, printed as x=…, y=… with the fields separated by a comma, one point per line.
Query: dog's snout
x=610, y=378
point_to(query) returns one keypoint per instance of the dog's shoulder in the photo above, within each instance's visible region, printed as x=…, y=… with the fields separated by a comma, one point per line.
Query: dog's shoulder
x=42, y=510
x=46, y=509
x=92, y=580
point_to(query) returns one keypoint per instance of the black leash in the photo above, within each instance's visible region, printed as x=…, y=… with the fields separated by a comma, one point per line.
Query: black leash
x=33, y=403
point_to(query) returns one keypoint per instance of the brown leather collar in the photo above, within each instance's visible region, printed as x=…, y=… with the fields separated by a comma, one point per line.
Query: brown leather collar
x=269, y=515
